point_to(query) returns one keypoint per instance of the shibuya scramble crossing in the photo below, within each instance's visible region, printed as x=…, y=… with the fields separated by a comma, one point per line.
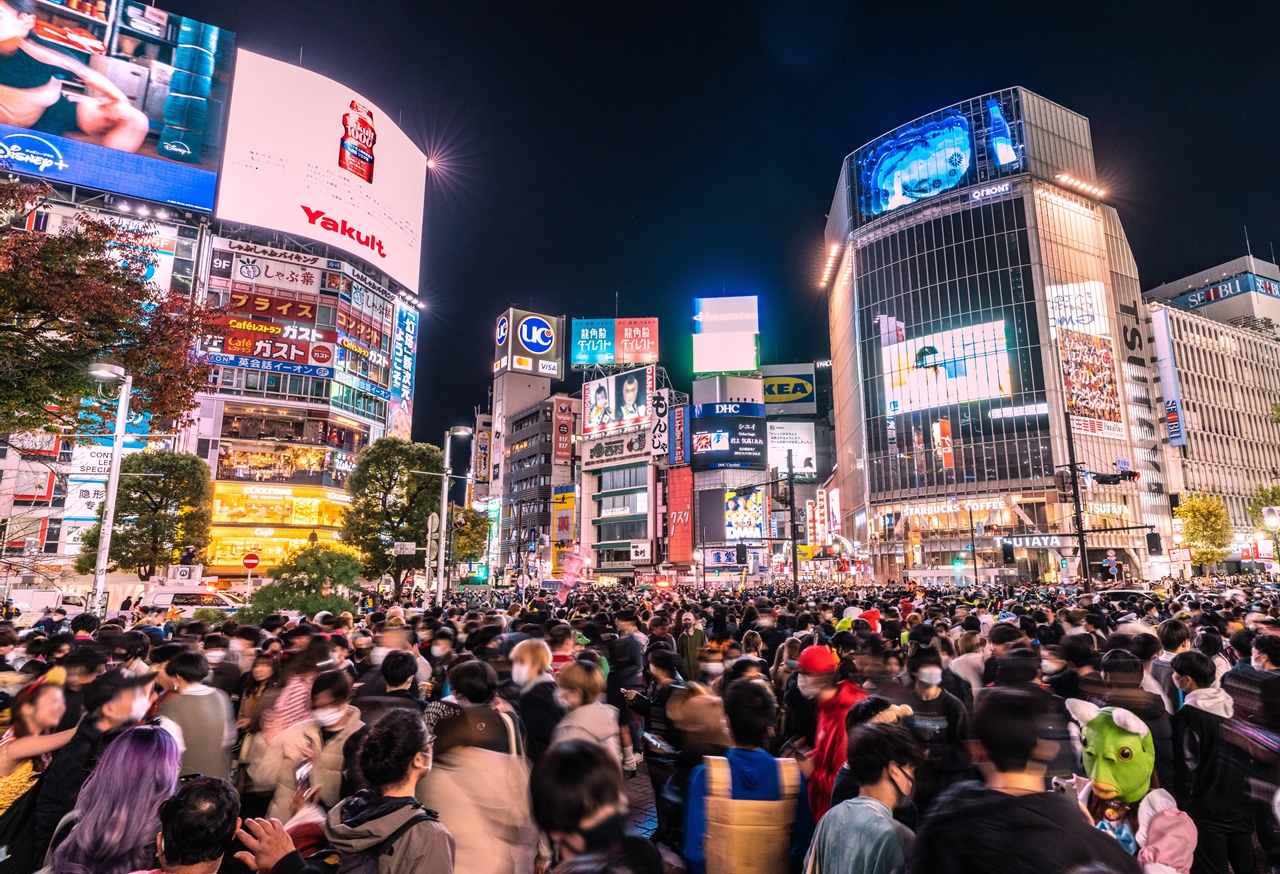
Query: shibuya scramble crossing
x=510, y=454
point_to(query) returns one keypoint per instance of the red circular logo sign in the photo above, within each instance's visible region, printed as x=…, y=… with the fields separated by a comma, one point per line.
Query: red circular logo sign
x=321, y=354
x=251, y=561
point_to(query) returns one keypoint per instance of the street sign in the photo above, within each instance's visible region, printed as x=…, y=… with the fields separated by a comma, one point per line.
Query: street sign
x=1181, y=555
x=404, y=547
x=250, y=561
x=1114, y=570
x=433, y=523
x=1123, y=464
x=1111, y=553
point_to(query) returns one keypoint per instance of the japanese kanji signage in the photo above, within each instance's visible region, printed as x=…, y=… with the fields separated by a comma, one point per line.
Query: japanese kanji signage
x=613, y=341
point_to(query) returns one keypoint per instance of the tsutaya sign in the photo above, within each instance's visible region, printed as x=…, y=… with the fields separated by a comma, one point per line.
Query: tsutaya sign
x=939, y=509
x=1031, y=541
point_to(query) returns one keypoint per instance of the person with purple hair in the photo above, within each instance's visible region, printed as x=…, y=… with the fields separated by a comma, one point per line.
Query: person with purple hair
x=112, y=828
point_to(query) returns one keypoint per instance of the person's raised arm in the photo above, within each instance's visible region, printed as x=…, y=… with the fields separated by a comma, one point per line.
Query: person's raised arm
x=21, y=748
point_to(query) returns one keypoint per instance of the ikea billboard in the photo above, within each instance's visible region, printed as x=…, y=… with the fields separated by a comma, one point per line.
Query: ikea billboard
x=790, y=389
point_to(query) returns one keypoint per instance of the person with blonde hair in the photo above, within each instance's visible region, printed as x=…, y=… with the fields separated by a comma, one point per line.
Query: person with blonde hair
x=582, y=685
x=540, y=707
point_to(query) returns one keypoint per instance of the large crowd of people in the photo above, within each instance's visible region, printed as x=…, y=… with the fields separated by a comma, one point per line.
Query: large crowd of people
x=853, y=730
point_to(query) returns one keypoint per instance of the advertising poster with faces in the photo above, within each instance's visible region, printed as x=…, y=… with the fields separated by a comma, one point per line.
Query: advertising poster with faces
x=617, y=402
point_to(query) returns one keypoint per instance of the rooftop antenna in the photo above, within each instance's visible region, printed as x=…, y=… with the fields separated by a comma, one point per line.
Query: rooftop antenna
x=615, y=303
x=299, y=54
x=1246, y=241
x=1273, y=253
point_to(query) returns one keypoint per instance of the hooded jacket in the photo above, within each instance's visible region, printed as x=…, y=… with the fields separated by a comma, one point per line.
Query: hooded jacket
x=365, y=820
x=830, y=745
x=595, y=722
x=975, y=830
x=1206, y=783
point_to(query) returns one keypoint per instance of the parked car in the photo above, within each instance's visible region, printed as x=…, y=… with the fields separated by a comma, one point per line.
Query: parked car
x=33, y=602
x=189, y=599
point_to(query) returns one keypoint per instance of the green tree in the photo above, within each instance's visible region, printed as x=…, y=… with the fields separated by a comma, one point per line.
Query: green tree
x=1206, y=528
x=1264, y=496
x=391, y=501
x=1274, y=416
x=80, y=296
x=470, y=535
x=307, y=581
x=164, y=504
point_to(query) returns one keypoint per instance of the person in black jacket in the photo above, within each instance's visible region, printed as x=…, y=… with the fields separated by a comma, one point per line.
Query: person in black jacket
x=540, y=705
x=114, y=700
x=1011, y=824
x=1207, y=784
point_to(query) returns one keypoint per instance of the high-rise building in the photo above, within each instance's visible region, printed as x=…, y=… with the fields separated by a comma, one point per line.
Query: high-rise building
x=986, y=331
x=1218, y=355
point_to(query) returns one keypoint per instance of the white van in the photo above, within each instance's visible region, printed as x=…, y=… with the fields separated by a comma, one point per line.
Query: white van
x=189, y=599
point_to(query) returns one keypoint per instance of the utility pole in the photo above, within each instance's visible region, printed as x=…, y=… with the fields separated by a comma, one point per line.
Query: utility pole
x=1086, y=581
x=973, y=549
x=795, y=549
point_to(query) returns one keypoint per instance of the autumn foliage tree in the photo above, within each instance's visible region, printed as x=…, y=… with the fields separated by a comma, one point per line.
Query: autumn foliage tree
x=79, y=296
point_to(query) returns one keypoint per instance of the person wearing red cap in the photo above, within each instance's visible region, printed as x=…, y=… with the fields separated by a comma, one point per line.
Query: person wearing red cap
x=818, y=681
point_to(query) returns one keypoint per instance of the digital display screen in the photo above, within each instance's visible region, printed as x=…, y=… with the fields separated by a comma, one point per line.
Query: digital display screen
x=1089, y=379
x=743, y=514
x=310, y=156
x=118, y=96
x=613, y=341
x=617, y=402
x=970, y=143
x=728, y=435
x=949, y=367
x=726, y=333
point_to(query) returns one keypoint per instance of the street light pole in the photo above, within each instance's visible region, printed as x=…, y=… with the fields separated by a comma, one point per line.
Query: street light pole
x=109, y=371
x=459, y=431
x=1078, y=506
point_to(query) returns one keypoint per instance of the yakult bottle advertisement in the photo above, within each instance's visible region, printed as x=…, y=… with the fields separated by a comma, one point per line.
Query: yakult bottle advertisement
x=309, y=156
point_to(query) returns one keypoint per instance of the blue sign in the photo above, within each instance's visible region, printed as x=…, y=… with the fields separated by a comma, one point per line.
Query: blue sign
x=707, y=411
x=536, y=334
x=46, y=156
x=1242, y=284
x=1000, y=137
x=592, y=342
x=361, y=384
x=223, y=360
x=503, y=327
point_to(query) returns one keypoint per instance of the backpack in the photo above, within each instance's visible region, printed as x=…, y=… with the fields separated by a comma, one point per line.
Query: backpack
x=366, y=861
x=745, y=837
x=18, y=851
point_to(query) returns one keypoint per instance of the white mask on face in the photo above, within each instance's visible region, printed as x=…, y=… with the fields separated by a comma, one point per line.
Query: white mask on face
x=520, y=673
x=438, y=650
x=141, y=703
x=379, y=653
x=215, y=657
x=930, y=676
x=329, y=716
x=810, y=687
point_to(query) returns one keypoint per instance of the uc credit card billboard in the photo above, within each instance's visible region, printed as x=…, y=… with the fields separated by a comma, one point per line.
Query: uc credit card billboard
x=309, y=156
x=118, y=96
x=526, y=342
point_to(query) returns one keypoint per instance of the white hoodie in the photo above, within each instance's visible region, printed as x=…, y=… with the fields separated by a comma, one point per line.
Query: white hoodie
x=1212, y=700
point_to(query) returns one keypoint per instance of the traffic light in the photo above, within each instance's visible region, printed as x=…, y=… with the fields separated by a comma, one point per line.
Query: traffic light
x=740, y=553
x=1006, y=553
x=1107, y=479
x=1154, y=544
x=1130, y=476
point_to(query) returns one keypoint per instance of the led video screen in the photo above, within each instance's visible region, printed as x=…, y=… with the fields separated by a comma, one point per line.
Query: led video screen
x=949, y=367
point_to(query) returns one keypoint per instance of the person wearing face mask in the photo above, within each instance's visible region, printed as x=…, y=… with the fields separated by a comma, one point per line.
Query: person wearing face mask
x=817, y=680
x=325, y=742
x=224, y=672
x=442, y=657
x=115, y=700
x=938, y=722
x=540, y=705
x=690, y=645
x=580, y=803
x=860, y=835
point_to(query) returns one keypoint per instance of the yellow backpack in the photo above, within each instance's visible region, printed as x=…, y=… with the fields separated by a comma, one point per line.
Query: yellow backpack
x=749, y=837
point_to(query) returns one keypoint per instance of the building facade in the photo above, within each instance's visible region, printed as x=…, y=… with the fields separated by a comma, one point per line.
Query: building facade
x=984, y=296
x=1219, y=362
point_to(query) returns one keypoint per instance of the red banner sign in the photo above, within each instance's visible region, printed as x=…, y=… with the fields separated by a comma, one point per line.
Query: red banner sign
x=680, y=515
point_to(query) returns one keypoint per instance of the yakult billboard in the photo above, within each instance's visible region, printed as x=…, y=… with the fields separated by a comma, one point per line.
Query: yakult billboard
x=308, y=156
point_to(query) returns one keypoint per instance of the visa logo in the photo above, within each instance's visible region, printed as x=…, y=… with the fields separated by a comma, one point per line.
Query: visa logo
x=786, y=389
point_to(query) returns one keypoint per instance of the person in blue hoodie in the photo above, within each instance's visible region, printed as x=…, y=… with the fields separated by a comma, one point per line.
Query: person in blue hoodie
x=752, y=713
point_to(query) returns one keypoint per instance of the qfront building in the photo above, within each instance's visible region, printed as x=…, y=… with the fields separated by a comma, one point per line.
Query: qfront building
x=987, y=329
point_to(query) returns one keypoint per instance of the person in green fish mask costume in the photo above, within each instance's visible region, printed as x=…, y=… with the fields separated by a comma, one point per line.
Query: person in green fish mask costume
x=1119, y=756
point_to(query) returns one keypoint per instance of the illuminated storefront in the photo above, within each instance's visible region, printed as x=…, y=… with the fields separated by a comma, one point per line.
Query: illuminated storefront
x=269, y=519
x=982, y=295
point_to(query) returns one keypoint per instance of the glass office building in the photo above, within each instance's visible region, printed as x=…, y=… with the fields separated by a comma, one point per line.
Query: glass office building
x=985, y=297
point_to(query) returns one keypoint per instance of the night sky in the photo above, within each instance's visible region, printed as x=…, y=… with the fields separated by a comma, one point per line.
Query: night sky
x=650, y=152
